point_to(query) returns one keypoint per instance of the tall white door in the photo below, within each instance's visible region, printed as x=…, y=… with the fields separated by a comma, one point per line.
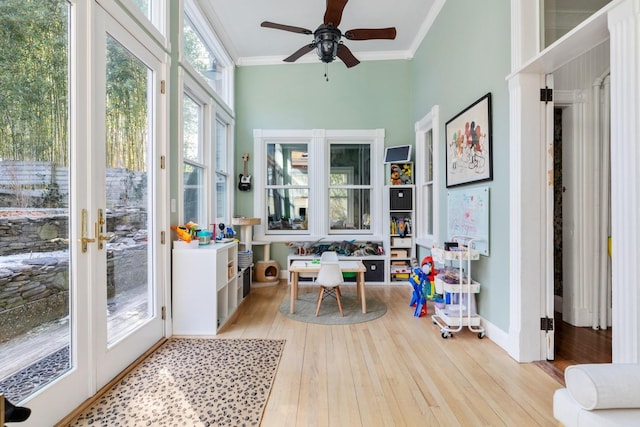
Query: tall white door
x=124, y=210
x=87, y=188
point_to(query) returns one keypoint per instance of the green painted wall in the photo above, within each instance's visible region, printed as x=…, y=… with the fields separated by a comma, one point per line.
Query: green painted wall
x=465, y=55
x=296, y=96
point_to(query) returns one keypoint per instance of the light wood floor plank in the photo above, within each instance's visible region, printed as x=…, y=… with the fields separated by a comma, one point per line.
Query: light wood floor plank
x=393, y=371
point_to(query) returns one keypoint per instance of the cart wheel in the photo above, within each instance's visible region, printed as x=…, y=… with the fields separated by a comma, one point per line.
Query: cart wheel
x=480, y=335
x=444, y=335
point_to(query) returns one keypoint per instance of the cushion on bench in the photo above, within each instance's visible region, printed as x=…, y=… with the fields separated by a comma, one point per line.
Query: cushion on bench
x=604, y=385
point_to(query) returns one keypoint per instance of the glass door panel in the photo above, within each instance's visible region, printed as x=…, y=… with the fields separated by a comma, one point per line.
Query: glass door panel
x=125, y=211
x=35, y=273
x=129, y=285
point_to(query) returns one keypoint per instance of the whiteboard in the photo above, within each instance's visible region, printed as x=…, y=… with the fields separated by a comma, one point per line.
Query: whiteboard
x=468, y=217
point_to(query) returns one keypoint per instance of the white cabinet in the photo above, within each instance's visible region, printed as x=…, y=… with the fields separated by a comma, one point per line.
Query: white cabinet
x=401, y=243
x=206, y=287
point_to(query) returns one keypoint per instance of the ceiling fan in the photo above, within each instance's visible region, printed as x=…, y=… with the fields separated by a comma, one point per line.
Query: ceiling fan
x=326, y=38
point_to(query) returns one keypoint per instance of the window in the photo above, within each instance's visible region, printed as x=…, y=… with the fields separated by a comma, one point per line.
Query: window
x=427, y=132
x=148, y=15
x=318, y=182
x=193, y=158
x=349, y=186
x=287, y=188
x=206, y=72
x=222, y=174
x=558, y=17
x=204, y=54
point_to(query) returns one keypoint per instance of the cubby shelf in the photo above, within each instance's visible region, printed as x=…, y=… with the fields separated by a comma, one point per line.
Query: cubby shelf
x=207, y=287
x=401, y=233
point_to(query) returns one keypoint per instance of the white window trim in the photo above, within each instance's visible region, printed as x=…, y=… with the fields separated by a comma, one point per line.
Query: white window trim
x=430, y=122
x=318, y=141
x=206, y=31
x=133, y=19
x=195, y=92
x=211, y=111
x=222, y=115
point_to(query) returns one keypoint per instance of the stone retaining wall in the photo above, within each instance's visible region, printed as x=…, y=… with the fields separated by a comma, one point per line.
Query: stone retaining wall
x=34, y=265
x=42, y=230
x=33, y=291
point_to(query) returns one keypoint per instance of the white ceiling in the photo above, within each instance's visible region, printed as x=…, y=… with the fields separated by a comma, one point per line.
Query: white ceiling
x=237, y=23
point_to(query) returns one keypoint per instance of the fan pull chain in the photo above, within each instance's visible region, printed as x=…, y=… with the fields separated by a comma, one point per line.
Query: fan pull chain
x=326, y=71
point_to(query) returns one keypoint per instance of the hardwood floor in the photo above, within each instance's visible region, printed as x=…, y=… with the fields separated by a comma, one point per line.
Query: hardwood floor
x=393, y=371
x=575, y=345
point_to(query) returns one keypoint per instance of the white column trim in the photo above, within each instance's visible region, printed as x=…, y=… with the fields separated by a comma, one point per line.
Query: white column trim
x=624, y=29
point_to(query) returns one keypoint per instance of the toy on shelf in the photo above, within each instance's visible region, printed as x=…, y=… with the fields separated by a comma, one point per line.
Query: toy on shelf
x=423, y=284
x=186, y=232
x=401, y=174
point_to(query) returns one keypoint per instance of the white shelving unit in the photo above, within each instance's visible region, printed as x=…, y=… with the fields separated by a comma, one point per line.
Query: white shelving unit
x=401, y=241
x=207, y=288
x=461, y=313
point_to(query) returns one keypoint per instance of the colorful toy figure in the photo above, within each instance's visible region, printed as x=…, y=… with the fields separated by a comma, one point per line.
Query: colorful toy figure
x=423, y=284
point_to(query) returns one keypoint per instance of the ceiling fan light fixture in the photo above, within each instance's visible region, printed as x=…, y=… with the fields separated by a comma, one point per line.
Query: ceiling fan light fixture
x=327, y=37
x=327, y=40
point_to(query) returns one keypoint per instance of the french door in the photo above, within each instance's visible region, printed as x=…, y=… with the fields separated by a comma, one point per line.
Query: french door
x=100, y=244
x=124, y=212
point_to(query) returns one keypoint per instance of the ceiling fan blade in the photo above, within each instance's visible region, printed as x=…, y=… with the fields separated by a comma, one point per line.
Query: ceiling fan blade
x=346, y=56
x=333, y=14
x=298, y=53
x=371, y=33
x=291, y=28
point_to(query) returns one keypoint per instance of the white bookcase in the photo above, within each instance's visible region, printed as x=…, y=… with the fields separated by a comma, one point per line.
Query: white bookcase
x=401, y=242
x=206, y=285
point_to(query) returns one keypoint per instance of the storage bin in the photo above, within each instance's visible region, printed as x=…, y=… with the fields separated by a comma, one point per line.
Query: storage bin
x=398, y=253
x=375, y=270
x=401, y=199
x=401, y=242
x=245, y=258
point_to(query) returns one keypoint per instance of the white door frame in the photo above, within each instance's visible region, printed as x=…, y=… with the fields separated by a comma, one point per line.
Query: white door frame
x=65, y=394
x=620, y=22
x=112, y=359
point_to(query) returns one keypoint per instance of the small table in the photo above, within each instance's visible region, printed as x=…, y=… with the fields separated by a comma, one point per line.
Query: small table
x=297, y=267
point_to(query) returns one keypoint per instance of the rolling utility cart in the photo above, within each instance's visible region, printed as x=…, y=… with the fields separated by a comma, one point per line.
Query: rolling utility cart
x=459, y=311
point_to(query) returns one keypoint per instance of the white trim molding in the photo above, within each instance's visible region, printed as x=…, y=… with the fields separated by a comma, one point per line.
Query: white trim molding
x=624, y=28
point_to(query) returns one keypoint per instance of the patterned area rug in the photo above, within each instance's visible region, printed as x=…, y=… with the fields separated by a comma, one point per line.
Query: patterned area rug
x=192, y=382
x=329, y=313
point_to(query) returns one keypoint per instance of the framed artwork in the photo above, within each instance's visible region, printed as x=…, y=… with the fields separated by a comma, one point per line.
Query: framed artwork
x=468, y=151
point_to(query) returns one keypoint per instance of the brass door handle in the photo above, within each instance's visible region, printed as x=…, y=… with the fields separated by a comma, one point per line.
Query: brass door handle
x=106, y=237
x=100, y=225
x=83, y=231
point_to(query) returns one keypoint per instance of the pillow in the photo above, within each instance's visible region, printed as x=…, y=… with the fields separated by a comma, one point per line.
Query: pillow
x=604, y=385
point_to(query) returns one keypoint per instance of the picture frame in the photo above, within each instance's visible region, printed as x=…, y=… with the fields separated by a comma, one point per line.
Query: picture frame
x=469, y=156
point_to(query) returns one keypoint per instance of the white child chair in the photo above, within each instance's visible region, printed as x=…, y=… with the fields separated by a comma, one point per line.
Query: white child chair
x=329, y=278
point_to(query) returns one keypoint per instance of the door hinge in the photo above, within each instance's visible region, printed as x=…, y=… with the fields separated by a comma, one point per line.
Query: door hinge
x=164, y=313
x=546, y=95
x=163, y=85
x=163, y=162
x=162, y=237
x=546, y=324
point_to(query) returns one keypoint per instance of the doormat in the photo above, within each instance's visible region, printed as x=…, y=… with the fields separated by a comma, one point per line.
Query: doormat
x=192, y=382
